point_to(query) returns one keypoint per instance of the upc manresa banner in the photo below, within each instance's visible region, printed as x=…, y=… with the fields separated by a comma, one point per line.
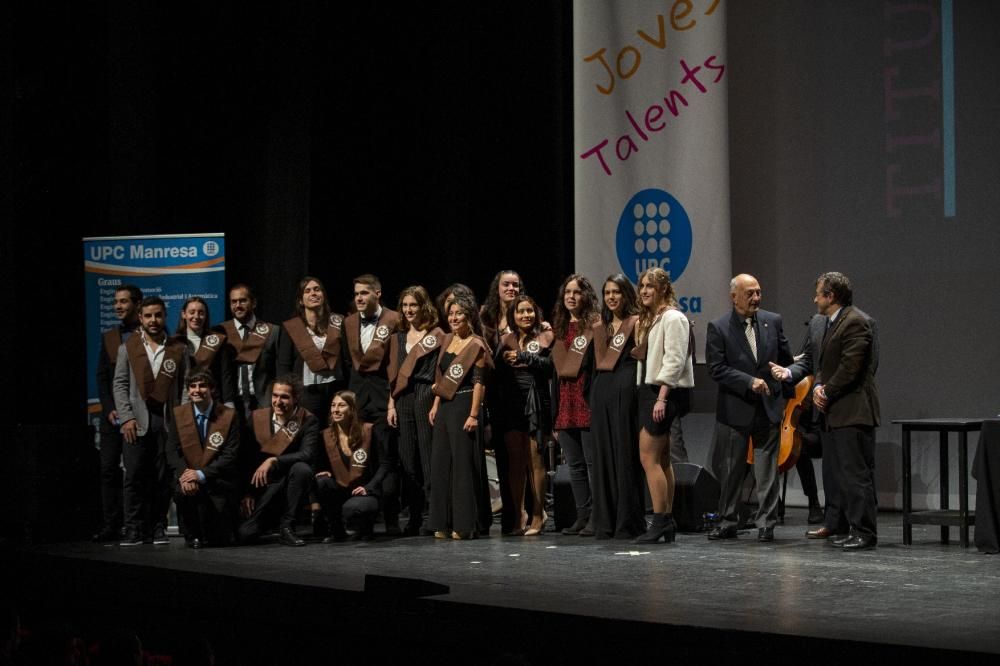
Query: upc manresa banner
x=173, y=267
x=651, y=145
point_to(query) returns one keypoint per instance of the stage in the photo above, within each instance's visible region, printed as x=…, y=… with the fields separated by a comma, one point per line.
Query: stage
x=547, y=599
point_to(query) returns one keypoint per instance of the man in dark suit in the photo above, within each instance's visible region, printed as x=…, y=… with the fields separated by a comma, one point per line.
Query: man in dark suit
x=288, y=439
x=834, y=520
x=202, y=448
x=846, y=394
x=126, y=304
x=253, y=347
x=366, y=337
x=750, y=404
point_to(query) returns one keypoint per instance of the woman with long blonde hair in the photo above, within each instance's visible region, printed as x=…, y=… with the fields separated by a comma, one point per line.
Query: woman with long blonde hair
x=666, y=377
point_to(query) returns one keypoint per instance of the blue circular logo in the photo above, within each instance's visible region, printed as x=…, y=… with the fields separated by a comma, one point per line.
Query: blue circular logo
x=654, y=230
x=210, y=248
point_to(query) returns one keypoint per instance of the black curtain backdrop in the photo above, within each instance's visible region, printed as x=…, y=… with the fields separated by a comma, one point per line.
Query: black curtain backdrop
x=426, y=144
x=433, y=144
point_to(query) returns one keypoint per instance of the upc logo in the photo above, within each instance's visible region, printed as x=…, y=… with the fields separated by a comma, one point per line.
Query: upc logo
x=654, y=230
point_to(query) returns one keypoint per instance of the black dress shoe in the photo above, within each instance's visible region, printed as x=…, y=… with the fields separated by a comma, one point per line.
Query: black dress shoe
x=289, y=538
x=720, y=533
x=765, y=534
x=840, y=539
x=195, y=543
x=861, y=542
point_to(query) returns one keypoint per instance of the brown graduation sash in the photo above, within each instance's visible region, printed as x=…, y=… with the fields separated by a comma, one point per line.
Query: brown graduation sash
x=247, y=351
x=639, y=351
x=371, y=359
x=399, y=373
x=276, y=443
x=347, y=470
x=568, y=361
x=187, y=432
x=607, y=358
x=112, y=341
x=316, y=360
x=209, y=347
x=447, y=383
x=536, y=345
x=156, y=388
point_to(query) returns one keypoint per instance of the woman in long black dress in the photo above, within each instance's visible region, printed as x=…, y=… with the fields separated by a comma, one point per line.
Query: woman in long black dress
x=349, y=483
x=617, y=478
x=523, y=412
x=413, y=351
x=457, y=461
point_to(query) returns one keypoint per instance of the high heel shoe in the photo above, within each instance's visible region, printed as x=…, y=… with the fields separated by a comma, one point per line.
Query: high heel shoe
x=535, y=531
x=662, y=527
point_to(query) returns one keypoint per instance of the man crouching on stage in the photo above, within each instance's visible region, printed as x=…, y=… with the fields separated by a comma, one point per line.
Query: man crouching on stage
x=202, y=448
x=288, y=437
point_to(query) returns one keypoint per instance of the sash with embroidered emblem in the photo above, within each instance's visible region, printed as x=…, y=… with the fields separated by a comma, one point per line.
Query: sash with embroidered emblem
x=347, y=470
x=247, y=351
x=215, y=438
x=640, y=350
x=399, y=373
x=569, y=360
x=371, y=360
x=155, y=389
x=609, y=353
x=318, y=361
x=274, y=444
x=209, y=347
x=545, y=339
x=446, y=383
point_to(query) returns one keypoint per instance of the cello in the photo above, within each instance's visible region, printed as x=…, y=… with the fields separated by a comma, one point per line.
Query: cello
x=790, y=445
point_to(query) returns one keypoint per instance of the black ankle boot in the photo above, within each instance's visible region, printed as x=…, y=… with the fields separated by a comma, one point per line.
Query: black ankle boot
x=582, y=518
x=663, y=526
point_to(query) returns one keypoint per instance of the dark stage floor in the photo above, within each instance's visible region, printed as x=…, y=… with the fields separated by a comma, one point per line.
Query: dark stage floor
x=708, y=599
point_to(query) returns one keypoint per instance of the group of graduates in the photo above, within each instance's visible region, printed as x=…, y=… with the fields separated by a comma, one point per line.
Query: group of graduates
x=245, y=424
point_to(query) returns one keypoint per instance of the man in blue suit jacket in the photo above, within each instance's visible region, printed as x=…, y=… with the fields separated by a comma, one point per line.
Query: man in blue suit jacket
x=750, y=405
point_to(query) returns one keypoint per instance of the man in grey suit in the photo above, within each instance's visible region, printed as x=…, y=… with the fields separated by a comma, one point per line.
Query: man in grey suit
x=750, y=404
x=843, y=355
x=146, y=386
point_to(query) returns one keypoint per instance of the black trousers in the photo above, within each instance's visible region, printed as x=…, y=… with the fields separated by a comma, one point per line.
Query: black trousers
x=146, y=488
x=458, y=467
x=578, y=448
x=279, y=502
x=415, y=436
x=210, y=514
x=849, y=453
x=356, y=511
x=112, y=478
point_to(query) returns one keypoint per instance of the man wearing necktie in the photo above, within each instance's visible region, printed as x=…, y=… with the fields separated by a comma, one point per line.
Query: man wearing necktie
x=203, y=448
x=253, y=347
x=844, y=361
x=366, y=334
x=750, y=404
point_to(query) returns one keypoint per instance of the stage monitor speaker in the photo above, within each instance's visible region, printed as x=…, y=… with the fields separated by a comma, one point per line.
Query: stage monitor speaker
x=696, y=493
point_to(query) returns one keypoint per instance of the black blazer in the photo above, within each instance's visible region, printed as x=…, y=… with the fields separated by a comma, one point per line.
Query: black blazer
x=732, y=366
